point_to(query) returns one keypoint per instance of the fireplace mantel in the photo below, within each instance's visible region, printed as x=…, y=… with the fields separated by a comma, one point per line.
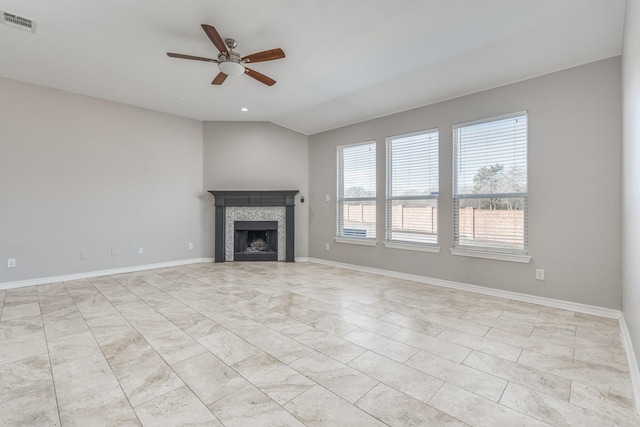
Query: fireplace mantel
x=253, y=198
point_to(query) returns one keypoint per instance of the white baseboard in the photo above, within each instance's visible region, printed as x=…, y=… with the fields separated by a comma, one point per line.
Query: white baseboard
x=549, y=302
x=634, y=370
x=89, y=274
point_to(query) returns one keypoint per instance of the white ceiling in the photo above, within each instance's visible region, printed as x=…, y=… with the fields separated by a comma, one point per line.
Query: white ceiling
x=346, y=60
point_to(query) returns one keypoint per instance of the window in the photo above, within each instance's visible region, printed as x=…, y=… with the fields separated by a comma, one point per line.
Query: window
x=357, y=191
x=412, y=188
x=490, y=185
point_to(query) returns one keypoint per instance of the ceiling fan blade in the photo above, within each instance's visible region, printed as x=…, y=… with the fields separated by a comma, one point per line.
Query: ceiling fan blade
x=259, y=77
x=197, y=58
x=220, y=78
x=215, y=38
x=267, y=55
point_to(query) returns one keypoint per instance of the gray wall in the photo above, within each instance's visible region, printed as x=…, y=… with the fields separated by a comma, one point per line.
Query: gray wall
x=574, y=187
x=79, y=174
x=631, y=173
x=256, y=156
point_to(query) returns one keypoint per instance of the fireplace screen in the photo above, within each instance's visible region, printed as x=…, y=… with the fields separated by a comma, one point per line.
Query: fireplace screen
x=255, y=240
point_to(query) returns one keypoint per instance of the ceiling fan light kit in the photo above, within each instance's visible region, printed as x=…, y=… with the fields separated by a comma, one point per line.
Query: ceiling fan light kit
x=231, y=63
x=231, y=68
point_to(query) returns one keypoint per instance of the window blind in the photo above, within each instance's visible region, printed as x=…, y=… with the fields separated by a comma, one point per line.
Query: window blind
x=357, y=190
x=490, y=184
x=412, y=188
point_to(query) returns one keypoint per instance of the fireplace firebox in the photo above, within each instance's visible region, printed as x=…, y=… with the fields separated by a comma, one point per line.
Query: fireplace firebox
x=255, y=240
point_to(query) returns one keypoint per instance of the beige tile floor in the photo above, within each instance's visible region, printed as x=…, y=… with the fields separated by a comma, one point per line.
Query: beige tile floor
x=281, y=344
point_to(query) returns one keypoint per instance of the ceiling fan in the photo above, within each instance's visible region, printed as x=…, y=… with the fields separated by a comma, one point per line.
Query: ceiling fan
x=231, y=63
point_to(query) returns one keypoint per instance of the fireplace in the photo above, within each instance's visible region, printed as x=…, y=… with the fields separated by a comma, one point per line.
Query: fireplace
x=255, y=240
x=254, y=225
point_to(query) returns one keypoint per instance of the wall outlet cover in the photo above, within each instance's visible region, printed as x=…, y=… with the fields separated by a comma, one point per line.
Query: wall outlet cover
x=11, y=263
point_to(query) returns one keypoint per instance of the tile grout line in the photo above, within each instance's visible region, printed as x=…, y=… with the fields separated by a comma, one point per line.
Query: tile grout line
x=229, y=366
x=185, y=384
x=53, y=380
x=100, y=347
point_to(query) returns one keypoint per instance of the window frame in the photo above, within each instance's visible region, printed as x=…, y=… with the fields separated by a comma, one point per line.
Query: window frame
x=490, y=252
x=340, y=199
x=390, y=198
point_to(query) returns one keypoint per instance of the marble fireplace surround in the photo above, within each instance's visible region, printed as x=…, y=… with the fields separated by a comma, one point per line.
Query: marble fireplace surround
x=255, y=205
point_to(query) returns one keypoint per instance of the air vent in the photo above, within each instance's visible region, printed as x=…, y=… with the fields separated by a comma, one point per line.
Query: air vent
x=18, y=22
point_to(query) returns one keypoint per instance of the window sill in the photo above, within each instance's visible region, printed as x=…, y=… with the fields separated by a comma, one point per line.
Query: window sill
x=353, y=241
x=491, y=255
x=412, y=247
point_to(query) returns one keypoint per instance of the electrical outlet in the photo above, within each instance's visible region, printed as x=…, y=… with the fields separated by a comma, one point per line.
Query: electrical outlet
x=83, y=256
x=140, y=250
x=11, y=263
x=190, y=245
x=326, y=198
x=326, y=246
x=539, y=274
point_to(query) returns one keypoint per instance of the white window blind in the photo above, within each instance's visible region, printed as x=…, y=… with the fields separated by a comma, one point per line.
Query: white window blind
x=412, y=188
x=490, y=184
x=357, y=191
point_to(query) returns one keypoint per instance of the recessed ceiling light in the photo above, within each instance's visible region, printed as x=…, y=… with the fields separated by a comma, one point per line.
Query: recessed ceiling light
x=244, y=109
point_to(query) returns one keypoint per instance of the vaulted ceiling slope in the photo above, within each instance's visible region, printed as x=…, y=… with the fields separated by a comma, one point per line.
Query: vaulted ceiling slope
x=346, y=61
